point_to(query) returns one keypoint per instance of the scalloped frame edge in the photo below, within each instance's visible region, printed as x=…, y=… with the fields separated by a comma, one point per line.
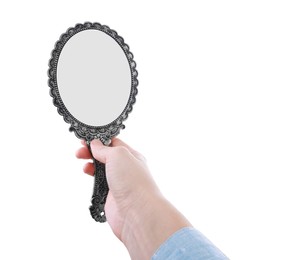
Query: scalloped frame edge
x=81, y=130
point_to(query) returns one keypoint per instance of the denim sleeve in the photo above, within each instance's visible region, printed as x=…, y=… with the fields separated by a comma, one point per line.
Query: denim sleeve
x=188, y=243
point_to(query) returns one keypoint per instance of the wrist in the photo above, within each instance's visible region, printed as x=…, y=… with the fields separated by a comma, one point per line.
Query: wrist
x=148, y=224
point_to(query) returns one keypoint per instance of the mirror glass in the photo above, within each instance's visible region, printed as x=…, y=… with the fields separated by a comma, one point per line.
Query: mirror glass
x=93, y=77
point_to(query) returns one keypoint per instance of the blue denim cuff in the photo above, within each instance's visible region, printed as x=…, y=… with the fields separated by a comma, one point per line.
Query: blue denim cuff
x=188, y=243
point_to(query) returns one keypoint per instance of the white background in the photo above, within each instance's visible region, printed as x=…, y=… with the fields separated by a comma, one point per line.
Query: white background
x=207, y=119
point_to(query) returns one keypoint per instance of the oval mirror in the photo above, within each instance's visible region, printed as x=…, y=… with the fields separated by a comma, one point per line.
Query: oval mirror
x=93, y=82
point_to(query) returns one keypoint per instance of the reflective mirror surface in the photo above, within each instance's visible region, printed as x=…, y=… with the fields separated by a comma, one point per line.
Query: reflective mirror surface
x=93, y=77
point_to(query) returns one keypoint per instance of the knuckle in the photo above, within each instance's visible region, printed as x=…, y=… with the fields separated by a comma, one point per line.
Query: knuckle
x=143, y=158
x=120, y=151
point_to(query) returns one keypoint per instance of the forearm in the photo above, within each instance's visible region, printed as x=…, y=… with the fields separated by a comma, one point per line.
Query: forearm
x=149, y=224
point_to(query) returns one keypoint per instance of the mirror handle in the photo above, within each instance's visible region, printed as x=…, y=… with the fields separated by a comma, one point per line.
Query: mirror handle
x=100, y=191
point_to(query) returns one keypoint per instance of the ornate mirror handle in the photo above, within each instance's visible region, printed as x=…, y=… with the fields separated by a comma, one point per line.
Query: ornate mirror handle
x=100, y=191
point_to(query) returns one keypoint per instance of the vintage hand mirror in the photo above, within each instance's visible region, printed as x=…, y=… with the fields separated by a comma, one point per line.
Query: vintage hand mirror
x=93, y=82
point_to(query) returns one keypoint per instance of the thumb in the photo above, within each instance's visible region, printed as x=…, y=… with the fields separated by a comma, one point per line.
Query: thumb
x=99, y=151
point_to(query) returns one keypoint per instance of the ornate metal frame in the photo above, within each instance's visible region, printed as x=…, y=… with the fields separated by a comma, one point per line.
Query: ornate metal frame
x=81, y=130
x=88, y=132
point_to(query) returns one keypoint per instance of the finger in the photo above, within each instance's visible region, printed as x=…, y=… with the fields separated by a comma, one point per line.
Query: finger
x=83, y=142
x=89, y=168
x=83, y=153
x=118, y=142
x=99, y=151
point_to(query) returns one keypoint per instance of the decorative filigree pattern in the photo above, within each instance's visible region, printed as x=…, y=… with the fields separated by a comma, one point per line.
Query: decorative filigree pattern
x=99, y=194
x=81, y=130
x=88, y=132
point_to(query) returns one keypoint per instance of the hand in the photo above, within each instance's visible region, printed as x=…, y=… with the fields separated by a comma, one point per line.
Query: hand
x=130, y=183
x=136, y=211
